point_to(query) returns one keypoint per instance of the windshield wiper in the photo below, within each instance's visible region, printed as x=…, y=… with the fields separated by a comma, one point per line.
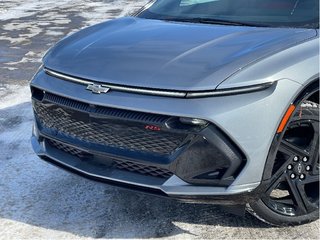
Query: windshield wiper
x=213, y=21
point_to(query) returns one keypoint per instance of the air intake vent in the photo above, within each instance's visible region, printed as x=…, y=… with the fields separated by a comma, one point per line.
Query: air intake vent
x=119, y=164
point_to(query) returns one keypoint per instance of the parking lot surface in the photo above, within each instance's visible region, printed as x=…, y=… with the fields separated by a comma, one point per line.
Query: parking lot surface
x=39, y=201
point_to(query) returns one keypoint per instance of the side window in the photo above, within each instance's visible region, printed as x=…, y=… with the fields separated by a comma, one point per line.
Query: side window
x=171, y=6
x=206, y=7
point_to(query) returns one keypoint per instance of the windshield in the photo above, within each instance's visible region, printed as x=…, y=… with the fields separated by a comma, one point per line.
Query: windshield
x=270, y=13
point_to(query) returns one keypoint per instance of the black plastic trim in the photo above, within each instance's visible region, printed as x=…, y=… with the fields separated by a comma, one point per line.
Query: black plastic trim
x=110, y=182
x=234, y=199
x=205, y=155
x=101, y=110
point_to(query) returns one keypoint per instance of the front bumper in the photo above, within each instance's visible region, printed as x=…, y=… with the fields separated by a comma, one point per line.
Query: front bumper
x=172, y=187
x=249, y=121
x=115, y=145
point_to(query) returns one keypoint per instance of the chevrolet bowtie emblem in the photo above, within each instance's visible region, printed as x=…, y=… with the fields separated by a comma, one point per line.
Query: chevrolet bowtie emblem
x=98, y=89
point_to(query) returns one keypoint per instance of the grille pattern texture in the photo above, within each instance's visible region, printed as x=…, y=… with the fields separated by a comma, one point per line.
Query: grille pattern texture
x=66, y=148
x=143, y=169
x=118, y=113
x=123, y=165
x=112, y=133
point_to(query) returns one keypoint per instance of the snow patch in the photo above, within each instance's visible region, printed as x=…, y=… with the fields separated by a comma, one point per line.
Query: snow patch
x=12, y=95
x=28, y=8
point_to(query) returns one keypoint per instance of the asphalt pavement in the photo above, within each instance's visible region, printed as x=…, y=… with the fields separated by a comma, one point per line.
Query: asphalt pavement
x=39, y=201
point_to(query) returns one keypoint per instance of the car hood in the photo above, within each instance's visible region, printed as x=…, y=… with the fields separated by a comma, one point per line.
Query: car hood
x=166, y=55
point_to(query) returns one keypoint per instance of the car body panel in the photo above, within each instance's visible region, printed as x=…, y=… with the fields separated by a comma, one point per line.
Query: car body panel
x=184, y=56
x=299, y=63
x=173, y=187
x=168, y=55
x=251, y=130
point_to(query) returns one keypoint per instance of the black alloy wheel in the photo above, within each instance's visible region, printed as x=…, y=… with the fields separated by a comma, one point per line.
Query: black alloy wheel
x=292, y=194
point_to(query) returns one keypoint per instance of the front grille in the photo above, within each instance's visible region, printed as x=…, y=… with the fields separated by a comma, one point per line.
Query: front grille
x=146, y=170
x=111, y=112
x=66, y=148
x=113, y=133
x=119, y=164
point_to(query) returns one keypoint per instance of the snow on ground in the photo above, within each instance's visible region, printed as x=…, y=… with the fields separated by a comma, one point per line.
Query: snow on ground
x=39, y=201
x=38, y=24
x=94, y=10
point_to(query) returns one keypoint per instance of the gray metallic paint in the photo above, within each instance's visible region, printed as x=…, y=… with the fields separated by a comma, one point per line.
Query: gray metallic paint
x=287, y=56
x=299, y=64
x=250, y=119
x=167, y=55
x=174, y=186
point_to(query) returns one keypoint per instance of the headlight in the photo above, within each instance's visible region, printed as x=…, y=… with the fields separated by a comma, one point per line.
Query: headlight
x=230, y=91
x=193, y=121
x=166, y=93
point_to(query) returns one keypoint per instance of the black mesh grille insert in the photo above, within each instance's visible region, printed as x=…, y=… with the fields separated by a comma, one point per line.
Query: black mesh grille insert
x=112, y=133
x=112, y=112
x=146, y=170
x=66, y=148
x=66, y=102
x=122, y=165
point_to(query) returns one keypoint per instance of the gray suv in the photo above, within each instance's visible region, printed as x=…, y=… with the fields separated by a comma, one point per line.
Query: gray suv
x=210, y=101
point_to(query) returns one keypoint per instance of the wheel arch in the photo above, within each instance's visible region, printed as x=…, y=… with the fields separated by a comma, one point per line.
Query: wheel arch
x=309, y=92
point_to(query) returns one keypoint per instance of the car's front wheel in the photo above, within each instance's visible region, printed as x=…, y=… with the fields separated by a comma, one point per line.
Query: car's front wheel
x=292, y=194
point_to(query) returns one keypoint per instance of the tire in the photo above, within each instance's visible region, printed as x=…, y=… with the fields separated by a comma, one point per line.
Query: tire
x=292, y=193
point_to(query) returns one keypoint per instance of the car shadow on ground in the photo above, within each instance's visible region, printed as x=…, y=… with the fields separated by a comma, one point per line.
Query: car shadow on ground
x=90, y=209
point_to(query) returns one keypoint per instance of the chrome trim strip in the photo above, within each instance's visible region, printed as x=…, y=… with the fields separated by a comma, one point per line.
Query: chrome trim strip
x=156, y=92
x=231, y=91
x=146, y=91
x=66, y=77
x=116, y=87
